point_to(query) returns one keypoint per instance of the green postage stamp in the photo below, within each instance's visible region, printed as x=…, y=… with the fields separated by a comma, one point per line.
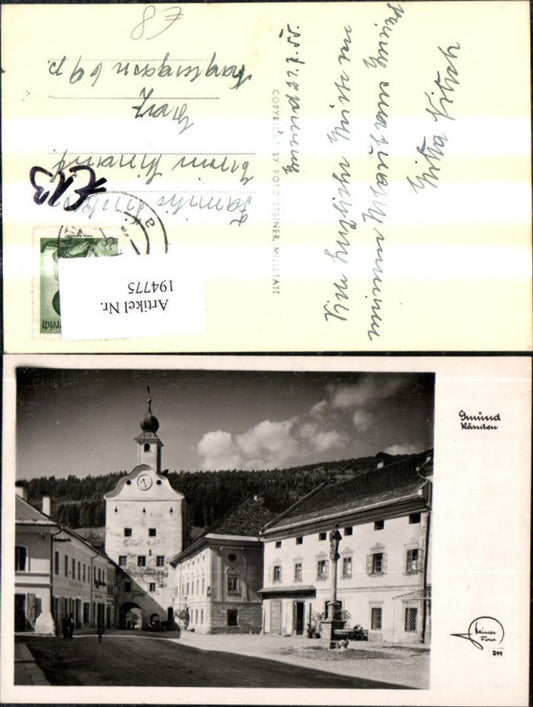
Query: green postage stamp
x=86, y=242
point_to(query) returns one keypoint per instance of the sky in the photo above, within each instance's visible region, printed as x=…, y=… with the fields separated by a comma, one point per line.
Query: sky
x=81, y=422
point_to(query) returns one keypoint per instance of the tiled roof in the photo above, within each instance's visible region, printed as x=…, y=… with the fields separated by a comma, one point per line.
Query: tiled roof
x=26, y=513
x=244, y=521
x=397, y=479
x=247, y=519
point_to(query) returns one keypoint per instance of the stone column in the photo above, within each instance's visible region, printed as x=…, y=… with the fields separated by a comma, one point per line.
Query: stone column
x=333, y=619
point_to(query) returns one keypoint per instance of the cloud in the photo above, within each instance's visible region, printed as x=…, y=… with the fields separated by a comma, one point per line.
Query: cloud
x=325, y=441
x=402, y=449
x=219, y=451
x=264, y=446
x=368, y=392
x=329, y=427
x=270, y=443
x=363, y=420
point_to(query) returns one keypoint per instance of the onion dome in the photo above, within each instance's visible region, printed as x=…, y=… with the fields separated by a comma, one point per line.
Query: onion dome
x=149, y=423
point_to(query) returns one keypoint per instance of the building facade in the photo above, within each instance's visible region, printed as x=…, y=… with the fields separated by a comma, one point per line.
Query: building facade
x=58, y=574
x=383, y=569
x=33, y=567
x=145, y=527
x=218, y=576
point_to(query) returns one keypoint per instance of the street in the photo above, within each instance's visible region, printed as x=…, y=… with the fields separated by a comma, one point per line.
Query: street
x=133, y=660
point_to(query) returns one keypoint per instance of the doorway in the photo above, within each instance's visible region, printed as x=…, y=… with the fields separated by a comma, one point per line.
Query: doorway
x=20, y=612
x=298, y=617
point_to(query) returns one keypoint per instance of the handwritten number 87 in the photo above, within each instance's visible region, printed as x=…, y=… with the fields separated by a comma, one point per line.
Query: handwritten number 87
x=93, y=186
x=171, y=15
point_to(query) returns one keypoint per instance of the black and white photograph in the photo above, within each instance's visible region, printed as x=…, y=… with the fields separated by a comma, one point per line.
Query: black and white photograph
x=223, y=528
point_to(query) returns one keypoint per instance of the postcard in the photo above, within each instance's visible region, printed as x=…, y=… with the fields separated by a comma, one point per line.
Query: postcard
x=252, y=530
x=271, y=176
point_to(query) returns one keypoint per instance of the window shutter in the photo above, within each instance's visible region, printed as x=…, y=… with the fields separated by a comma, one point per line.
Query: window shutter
x=420, y=562
x=384, y=563
x=369, y=564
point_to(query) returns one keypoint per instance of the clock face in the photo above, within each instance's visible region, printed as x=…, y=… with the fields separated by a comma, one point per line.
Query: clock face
x=144, y=482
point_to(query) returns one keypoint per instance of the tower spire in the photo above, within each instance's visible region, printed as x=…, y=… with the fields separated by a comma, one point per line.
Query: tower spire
x=149, y=423
x=149, y=444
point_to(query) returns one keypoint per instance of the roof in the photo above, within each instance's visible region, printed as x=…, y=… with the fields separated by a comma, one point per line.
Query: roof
x=247, y=519
x=241, y=523
x=400, y=478
x=27, y=514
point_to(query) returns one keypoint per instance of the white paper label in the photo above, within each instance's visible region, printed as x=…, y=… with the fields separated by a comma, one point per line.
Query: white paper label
x=120, y=297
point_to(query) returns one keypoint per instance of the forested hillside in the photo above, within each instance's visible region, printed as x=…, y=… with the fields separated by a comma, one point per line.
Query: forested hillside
x=78, y=503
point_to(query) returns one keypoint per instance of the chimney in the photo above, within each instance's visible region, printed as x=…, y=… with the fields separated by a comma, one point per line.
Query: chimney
x=21, y=490
x=46, y=505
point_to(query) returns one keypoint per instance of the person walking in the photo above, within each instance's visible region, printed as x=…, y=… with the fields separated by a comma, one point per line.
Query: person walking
x=100, y=630
x=64, y=626
x=70, y=626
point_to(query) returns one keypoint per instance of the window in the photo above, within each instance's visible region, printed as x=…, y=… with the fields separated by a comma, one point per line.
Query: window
x=127, y=586
x=122, y=560
x=379, y=525
x=376, y=618
x=414, y=518
x=299, y=540
x=66, y=566
x=73, y=568
x=322, y=569
x=412, y=561
x=233, y=617
x=127, y=532
x=411, y=619
x=20, y=558
x=152, y=532
x=376, y=563
x=322, y=536
x=56, y=562
x=160, y=561
x=298, y=572
x=231, y=557
x=152, y=587
x=233, y=584
x=276, y=573
x=146, y=447
x=348, y=531
x=278, y=543
x=84, y=572
x=79, y=571
x=141, y=560
x=347, y=566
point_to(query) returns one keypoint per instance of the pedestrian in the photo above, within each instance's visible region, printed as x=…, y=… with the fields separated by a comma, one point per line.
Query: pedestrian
x=100, y=630
x=64, y=626
x=70, y=626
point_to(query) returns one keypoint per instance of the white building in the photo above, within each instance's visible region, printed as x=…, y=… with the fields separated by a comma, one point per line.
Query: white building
x=58, y=573
x=145, y=527
x=384, y=565
x=218, y=576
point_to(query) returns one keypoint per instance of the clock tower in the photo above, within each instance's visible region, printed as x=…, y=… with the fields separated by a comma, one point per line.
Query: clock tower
x=144, y=529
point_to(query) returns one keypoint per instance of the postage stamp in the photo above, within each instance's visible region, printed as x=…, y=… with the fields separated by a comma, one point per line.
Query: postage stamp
x=66, y=242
